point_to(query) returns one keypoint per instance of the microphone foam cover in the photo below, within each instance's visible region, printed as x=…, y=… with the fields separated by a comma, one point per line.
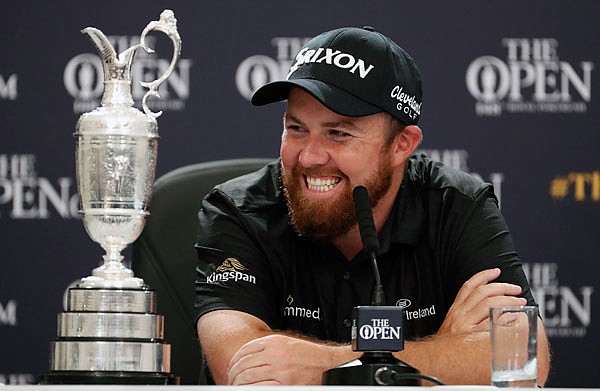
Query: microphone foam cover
x=364, y=217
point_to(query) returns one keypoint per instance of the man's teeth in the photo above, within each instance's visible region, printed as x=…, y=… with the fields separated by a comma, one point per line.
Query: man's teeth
x=319, y=184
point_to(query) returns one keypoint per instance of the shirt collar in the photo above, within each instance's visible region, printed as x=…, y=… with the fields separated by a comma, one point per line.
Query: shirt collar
x=406, y=218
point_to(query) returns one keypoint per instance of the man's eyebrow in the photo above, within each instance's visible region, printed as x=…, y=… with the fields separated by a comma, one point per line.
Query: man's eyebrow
x=289, y=117
x=349, y=125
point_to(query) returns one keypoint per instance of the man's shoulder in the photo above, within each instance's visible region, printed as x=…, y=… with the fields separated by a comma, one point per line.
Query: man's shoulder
x=429, y=174
x=253, y=190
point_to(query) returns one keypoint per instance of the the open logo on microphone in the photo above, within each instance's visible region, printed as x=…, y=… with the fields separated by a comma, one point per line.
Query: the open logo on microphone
x=378, y=328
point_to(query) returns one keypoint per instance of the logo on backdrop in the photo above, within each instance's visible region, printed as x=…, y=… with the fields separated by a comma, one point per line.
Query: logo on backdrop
x=8, y=87
x=84, y=78
x=576, y=186
x=531, y=79
x=25, y=195
x=259, y=69
x=457, y=159
x=17, y=378
x=8, y=313
x=566, y=310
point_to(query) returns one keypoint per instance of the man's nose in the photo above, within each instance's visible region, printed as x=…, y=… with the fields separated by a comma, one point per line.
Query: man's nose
x=313, y=153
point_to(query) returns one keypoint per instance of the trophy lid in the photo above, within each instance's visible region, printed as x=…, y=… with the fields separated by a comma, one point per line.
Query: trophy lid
x=117, y=116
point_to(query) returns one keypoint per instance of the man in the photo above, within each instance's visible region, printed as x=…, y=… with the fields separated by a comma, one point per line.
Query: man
x=284, y=253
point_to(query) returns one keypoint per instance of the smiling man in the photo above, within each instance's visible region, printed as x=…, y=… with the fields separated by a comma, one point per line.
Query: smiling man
x=281, y=261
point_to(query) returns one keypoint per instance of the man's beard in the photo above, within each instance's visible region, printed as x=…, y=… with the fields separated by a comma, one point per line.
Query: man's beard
x=328, y=219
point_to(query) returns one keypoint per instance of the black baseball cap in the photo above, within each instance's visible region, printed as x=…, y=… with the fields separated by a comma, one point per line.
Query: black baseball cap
x=353, y=72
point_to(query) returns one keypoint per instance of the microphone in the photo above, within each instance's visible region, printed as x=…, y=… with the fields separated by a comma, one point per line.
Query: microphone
x=364, y=217
x=368, y=235
x=377, y=329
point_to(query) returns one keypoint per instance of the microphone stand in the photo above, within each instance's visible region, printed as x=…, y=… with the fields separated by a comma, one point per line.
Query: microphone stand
x=373, y=369
x=377, y=367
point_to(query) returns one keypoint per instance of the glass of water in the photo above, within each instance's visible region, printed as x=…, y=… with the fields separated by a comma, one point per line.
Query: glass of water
x=513, y=333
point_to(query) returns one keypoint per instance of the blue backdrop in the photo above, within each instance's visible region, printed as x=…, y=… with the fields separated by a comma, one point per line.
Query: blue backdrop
x=509, y=93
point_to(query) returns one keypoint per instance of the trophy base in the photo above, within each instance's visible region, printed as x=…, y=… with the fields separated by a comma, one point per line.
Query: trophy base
x=141, y=301
x=76, y=355
x=110, y=336
x=99, y=282
x=97, y=377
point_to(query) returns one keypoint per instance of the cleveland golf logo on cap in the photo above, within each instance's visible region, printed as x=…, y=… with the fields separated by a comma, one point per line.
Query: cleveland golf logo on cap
x=332, y=57
x=406, y=103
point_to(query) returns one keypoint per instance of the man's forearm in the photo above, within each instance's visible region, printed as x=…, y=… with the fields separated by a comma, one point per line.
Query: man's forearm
x=454, y=359
x=221, y=333
x=464, y=358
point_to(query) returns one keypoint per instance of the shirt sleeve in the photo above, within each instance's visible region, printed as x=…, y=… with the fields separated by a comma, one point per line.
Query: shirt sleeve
x=232, y=268
x=482, y=241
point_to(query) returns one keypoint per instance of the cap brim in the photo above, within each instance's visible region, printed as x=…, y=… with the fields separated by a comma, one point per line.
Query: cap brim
x=332, y=97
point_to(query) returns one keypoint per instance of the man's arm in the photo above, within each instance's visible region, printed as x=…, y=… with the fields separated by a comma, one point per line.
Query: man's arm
x=459, y=353
x=241, y=349
x=222, y=333
x=464, y=358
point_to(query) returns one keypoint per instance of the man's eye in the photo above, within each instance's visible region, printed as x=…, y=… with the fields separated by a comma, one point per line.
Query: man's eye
x=339, y=134
x=293, y=128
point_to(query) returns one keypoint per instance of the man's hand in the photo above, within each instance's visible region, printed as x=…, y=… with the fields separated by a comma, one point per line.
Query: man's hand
x=281, y=359
x=242, y=349
x=470, y=310
x=459, y=353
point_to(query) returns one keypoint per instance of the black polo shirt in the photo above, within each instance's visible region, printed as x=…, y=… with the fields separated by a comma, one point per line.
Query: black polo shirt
x=445, y=227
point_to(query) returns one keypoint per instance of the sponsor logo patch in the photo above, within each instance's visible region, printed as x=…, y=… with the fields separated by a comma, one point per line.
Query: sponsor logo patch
x=231, y=269
x=300, y=312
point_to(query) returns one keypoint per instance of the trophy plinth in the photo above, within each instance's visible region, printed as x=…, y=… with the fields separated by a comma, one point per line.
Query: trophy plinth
x=110, y=336
x=110, y=332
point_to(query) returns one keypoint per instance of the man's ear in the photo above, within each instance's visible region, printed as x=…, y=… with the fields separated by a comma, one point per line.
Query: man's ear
x=405, y=143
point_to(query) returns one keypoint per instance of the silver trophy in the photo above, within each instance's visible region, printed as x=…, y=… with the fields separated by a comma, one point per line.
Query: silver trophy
x=110, y=331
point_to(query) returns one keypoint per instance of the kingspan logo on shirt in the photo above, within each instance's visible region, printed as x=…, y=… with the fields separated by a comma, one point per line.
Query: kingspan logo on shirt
x=231, y=269
x=331, y=57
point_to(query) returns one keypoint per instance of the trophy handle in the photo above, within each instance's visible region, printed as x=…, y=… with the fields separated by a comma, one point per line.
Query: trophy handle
x=168, y=25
